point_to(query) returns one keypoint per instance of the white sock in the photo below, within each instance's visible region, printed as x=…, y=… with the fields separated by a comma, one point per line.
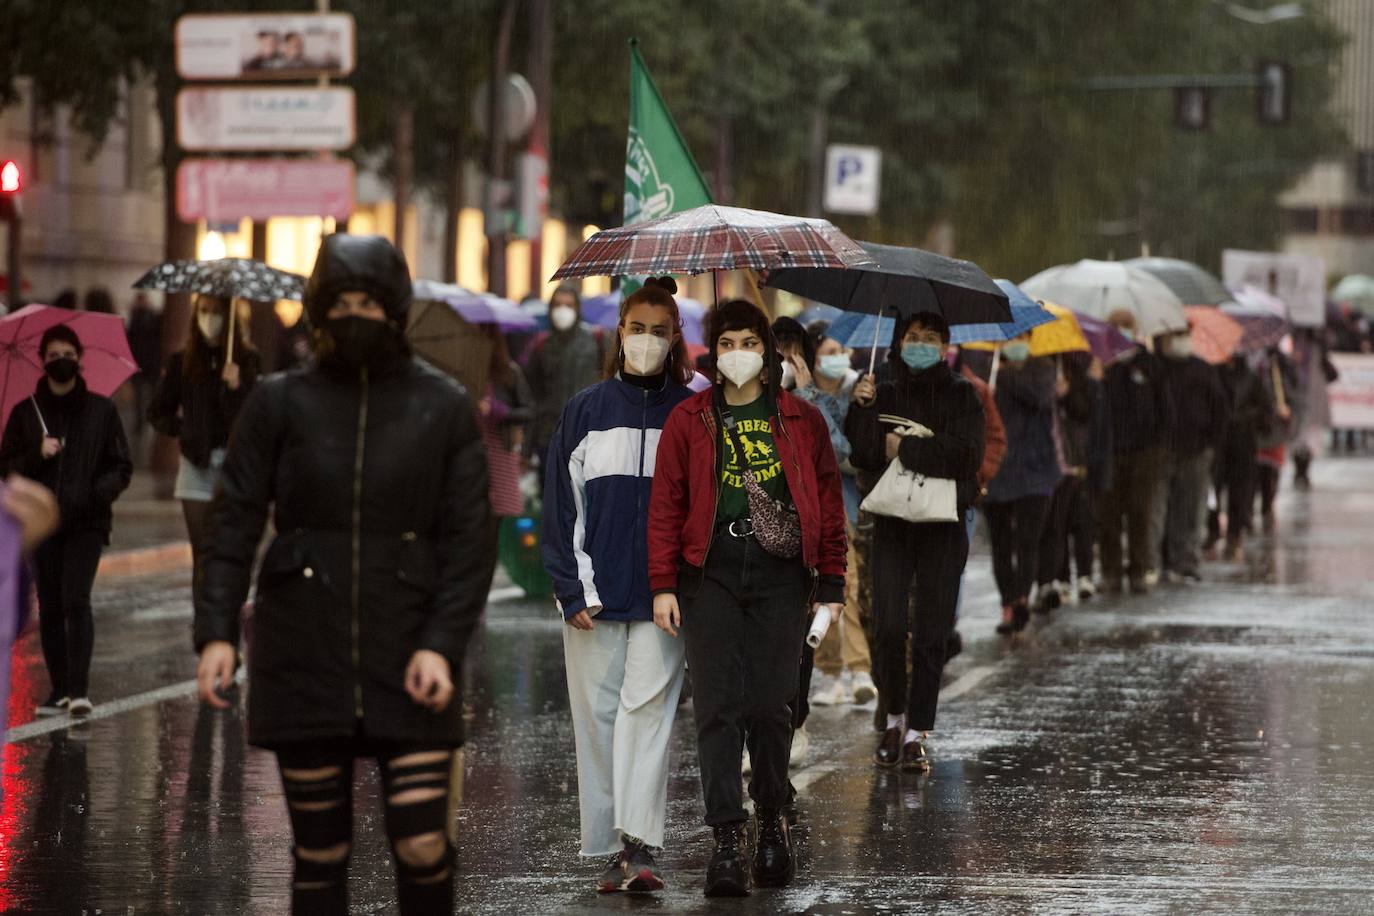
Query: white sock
x=911, y=735
x=896, y=721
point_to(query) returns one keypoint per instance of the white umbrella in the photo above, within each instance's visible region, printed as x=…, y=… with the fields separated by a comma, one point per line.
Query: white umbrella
x=1253, y=297
x=1098, y=288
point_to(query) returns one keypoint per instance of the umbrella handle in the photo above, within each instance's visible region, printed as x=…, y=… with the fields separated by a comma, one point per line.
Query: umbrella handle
x=229, y=344
x=877, y=332
x=996, y=362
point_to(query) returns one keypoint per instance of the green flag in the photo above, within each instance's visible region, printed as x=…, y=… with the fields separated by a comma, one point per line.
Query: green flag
x=660, y=175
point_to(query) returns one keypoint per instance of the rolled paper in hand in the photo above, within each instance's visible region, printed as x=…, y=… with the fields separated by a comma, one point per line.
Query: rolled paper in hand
x=819, y=625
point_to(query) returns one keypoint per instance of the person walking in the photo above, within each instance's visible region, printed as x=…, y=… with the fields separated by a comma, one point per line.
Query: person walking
x=1018, y=498
x=1141, y=414
x=924, y=389
x=624, y=673
x=145, y=343
x=1200, y=415
x=561, y=363
x=1280, y=379
x=197, y=400
x=1236, y=469
x=69, y=440
x=843, y=653
x=746, y=529
x=372, y=469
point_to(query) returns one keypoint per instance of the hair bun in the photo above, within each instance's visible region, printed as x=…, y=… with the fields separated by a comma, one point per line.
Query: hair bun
x=664, y=283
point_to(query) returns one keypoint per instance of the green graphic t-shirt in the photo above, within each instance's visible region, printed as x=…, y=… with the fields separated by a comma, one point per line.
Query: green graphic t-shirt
x=754, y=430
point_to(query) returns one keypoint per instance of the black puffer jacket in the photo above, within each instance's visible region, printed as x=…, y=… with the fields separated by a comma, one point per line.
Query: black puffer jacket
x=201, y=413
x=93, y=467
x=376, y=480
x=937, y=398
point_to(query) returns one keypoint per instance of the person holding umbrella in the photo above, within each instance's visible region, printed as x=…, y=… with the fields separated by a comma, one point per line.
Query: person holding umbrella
x=70, y=440
x=374, y=474
x=746, y=531
x=197, y=400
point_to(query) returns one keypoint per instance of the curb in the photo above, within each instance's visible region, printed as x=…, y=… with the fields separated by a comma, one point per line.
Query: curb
x=145, y=561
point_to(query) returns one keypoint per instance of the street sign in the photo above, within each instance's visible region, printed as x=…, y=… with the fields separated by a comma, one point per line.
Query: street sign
x=266, y=118
x=1298, y=279
x=852, y=179
x=264, y=47
x=228, y=190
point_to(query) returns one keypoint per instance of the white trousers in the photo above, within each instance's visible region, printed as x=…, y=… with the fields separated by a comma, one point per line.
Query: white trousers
x=623, y=685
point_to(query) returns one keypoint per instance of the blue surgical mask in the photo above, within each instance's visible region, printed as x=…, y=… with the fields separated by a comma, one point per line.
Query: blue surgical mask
x=833, y=366
x=1017, y=351
x=920, y=356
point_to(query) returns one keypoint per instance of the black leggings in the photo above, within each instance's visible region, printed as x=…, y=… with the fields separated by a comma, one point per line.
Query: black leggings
x=65, y=567
x=318, y=781
x=197, y=514
x=1014, y=529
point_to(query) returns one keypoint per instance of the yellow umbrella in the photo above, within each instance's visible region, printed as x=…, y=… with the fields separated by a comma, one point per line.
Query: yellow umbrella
x=1062, y=335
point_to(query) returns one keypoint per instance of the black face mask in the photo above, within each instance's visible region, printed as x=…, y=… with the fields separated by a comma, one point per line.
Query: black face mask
x=358, y=340
x=62, y=370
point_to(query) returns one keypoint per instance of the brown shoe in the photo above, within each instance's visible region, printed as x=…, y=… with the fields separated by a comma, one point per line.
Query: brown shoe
x=889, y=751
x=914, y=758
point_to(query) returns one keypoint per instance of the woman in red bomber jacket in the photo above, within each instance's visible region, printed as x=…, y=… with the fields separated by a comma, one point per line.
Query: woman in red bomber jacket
x=742, y=609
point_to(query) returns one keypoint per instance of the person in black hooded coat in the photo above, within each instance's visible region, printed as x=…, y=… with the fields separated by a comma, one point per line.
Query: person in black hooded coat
x=374, y=473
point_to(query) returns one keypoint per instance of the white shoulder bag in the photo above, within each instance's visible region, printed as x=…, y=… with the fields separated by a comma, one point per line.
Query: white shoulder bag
x=907, y=495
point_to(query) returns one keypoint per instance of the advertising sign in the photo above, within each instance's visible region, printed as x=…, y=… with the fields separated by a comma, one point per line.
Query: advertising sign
x=274, y=46
x=1298, y=279
x=1352, y=395
x=266, y=118
x=852, y=179
x=228, y=190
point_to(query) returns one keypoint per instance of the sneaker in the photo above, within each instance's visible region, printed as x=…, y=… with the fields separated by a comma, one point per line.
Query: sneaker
x=801, y=745
x=614, y=877
x=773, y=864
x=829, y=692
x=865, y=691
x=55, y=706
x=641, y=871
x=726, y=875
x=80, y=707
x=1086, y=589
x=1151, y=578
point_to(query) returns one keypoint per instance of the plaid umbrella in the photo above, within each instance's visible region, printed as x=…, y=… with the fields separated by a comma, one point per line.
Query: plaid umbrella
x=1260, y=327
x=712, y=238
x=231, y=278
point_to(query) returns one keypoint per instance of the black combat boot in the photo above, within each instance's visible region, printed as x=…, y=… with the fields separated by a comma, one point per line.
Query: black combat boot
x=773, y=862
x=726, y=875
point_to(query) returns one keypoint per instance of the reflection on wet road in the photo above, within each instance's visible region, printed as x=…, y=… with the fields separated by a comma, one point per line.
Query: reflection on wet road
x=1207, y=748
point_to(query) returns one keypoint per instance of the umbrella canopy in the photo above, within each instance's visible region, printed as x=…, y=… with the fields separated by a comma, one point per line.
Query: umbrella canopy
x=476, y=308
x=1098, y=288
x=712, y=238
x=106, y=364
x=819, y=312
x=454, y=345
x=1254, y=297
x=1026, y=314
x=231, y=278
x=604, y=312
x=1260, y=328
x=1356, y=290
x=1061, y=334
x=1192, y=284
x=906, y=279
x=855, y=329
x=1215, y=334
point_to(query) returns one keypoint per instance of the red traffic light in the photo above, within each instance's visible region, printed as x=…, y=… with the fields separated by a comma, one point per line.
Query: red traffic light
x=9, y=177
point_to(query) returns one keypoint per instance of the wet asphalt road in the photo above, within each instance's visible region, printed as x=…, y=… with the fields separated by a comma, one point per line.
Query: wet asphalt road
x=1204, y=749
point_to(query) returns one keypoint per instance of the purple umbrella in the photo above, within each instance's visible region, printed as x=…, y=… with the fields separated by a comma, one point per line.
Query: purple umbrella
x=477, y=308
x=604, y=311
x=1106, y=342
x=1260, y=327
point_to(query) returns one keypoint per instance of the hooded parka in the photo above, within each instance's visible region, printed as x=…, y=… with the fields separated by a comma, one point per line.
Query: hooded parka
x=375, y=479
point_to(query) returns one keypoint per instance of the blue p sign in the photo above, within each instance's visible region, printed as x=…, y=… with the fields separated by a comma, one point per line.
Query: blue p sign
x=847, y=167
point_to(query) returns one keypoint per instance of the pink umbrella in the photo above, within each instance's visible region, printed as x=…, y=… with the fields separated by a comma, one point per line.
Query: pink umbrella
x=1215, y=334
x=106, y=364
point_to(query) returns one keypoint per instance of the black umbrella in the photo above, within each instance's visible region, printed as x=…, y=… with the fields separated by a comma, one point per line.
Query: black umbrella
x=231, y=278
x=908, y=280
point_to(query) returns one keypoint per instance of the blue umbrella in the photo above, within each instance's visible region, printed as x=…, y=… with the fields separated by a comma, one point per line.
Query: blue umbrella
x=858, y=329
x=819, y=312
x=1026, y=313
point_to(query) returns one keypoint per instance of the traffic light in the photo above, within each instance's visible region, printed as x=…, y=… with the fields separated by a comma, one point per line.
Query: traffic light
x=1274, y=99
x=11, y=181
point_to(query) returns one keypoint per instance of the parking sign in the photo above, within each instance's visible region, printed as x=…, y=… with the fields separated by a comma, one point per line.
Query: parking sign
x=852, y=179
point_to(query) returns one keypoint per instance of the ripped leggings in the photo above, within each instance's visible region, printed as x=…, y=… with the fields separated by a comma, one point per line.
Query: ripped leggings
x=318, y=781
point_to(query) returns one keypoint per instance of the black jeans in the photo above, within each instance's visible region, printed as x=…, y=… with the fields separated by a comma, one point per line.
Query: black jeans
x=744, y=619
x=1234, y=478
x=318, y=782
x=935, y=552
x=1014, y=528
x=1083, y=533
x=64, y=567
x=1053, y=563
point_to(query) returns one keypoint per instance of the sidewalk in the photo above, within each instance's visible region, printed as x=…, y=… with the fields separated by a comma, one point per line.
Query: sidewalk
x=149, y=534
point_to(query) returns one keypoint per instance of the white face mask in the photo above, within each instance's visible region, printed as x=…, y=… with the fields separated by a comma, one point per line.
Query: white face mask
x=645, y=353
x=562, y=317
x=1181, y=347
x=210, y=325
x=740, y=366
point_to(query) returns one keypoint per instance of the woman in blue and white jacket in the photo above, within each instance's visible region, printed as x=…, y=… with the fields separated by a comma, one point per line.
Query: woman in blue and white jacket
x=624, y=673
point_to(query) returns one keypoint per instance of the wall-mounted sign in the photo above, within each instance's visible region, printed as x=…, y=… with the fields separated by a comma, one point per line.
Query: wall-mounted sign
x=852, y=179
x=265, y=118
x=228, y=190
x=264, y=47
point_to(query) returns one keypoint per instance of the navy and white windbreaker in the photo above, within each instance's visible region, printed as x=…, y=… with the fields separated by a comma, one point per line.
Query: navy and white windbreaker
x=596, y=498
